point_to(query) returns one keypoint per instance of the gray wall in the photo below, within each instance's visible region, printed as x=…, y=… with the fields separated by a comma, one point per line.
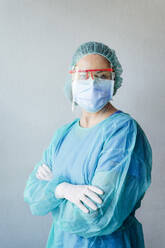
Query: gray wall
x=37, y=41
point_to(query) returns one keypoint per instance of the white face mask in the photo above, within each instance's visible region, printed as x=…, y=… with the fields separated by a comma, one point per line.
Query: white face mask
x=92, y=94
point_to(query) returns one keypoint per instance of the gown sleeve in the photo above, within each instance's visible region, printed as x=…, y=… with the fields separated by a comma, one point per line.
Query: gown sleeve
x=39, y=194
x=123, y=172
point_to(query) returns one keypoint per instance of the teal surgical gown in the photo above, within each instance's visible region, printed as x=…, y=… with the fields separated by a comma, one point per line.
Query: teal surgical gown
x=114, y=155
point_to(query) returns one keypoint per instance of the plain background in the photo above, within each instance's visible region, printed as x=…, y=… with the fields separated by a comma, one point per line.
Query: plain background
x=37, y=41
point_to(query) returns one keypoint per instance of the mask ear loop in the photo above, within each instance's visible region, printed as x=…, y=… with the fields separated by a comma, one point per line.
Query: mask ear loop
x=73, y=103
x=113, y=75
x=73, y=106
x=113, y=83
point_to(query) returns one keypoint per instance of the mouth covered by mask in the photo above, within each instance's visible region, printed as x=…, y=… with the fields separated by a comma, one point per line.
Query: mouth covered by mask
x=92, y=94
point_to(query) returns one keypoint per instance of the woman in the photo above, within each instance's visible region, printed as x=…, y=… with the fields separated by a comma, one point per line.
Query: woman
x=97, y=168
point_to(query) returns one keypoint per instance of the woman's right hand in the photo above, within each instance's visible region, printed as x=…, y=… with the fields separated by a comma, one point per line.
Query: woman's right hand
x=78, y=194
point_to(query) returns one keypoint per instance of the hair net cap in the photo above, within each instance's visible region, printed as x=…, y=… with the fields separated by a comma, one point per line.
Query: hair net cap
x=93, y=47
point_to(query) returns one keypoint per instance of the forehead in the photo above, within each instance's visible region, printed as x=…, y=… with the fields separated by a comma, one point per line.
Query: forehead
x=93, y=61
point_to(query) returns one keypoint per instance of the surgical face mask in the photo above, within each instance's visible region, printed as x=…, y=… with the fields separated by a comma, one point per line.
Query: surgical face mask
x=92, y=94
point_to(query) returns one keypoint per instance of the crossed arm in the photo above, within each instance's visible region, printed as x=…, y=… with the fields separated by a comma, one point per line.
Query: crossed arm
x=121, y=173
x=74, y=193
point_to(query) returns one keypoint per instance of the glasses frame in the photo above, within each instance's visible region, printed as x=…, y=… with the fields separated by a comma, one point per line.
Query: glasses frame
x=91, y=70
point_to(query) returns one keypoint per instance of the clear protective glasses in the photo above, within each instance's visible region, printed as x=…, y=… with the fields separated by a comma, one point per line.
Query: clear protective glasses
x=107, y=73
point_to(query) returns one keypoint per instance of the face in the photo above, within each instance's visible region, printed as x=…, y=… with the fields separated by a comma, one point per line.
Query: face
x=92, y=61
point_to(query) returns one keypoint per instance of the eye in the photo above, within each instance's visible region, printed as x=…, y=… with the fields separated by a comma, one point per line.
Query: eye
x=82, y=75
x=103, y=76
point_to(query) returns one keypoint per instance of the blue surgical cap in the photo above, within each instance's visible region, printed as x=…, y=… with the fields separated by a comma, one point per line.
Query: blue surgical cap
x=93, y=47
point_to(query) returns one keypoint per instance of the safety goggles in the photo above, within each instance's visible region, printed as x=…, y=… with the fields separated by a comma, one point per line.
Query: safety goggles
x=107, y=73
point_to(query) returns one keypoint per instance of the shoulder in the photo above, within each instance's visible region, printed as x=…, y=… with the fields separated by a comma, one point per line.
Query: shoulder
x=128, y=130
x=67, y=125
x=60, y=131
x=123, y=119
x=125, y=133
x=120, y=123
x=125, y=128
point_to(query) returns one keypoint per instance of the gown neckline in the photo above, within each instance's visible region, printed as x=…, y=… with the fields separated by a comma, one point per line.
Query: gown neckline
x=98, y=124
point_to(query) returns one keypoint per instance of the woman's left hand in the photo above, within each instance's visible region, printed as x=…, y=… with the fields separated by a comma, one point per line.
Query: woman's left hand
x=44, y=173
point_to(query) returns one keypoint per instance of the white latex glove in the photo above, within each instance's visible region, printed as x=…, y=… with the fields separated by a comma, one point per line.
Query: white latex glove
x=44, y=173
x=78, y=193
